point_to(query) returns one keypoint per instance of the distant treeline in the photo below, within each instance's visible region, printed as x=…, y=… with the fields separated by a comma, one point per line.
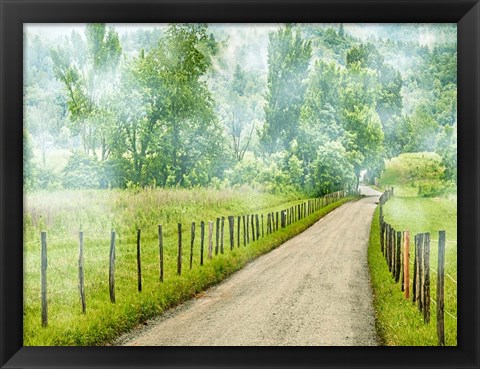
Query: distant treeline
x=190, y=105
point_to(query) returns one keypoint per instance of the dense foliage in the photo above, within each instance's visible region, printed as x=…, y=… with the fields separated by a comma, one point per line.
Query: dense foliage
x=304, y=108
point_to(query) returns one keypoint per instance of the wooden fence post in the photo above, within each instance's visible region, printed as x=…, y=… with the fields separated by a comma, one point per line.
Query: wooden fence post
x=81, y=286
x=420, y=281
x=262, y=227
x=139, y=261
x=44, y=264
x=389, y=245
x=238, y=231
x=415, y=261
x=387, y=241
x=392, y=252
x=192, y=240
x=111, y=270
x=402, y=267
x=426, y=260
x=441, y=289
x=210, y=241
x=202, y=240
x=382, y=232
x=248, y=229
x=160, y=247
x=217, y=234
x=389, y=251
x=398, y=256
x=276, y=221
x=252, y=223
x=179, y=260
x=269, y=226
x=231, y=225
x=406, y=264
x=257, y=226
x=221, y=233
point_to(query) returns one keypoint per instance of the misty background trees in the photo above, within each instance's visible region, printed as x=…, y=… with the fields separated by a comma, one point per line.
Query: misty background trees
x=301, y=107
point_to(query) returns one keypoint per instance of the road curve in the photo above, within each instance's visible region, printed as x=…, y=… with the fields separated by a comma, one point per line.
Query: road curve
x=312, y=290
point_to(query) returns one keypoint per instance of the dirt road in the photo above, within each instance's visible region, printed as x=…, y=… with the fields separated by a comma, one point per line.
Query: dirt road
x=312, y=290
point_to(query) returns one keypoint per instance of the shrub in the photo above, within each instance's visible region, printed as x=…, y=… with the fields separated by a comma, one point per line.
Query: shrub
x=431, y=189
x=81, y=171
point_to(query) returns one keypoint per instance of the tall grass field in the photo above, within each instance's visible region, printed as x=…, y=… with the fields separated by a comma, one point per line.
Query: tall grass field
x=96, y=212
x=398, y=320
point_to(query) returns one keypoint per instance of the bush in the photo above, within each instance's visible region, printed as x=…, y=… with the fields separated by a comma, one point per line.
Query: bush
x=81, y=171
x=46, y=179
x=332, y=169
x=431, y=189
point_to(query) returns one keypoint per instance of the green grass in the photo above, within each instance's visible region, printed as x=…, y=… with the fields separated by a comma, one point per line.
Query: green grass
x=399, y=322
x=62, y=213
x=407, y=172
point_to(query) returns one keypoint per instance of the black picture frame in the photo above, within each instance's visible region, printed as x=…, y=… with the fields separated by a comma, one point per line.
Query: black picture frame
x=14, y=13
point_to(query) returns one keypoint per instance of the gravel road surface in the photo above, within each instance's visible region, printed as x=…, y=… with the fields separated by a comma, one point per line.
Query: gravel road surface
x=312, y=290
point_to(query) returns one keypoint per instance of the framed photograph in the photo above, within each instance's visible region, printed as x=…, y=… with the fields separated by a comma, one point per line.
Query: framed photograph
x=239, y=184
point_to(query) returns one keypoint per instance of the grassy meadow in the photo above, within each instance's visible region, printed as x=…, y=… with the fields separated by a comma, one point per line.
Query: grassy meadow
x=398, y=320
x=62, y=214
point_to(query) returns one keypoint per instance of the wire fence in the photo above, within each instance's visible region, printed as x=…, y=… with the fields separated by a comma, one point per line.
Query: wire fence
x=395, y=247
x=211, y=239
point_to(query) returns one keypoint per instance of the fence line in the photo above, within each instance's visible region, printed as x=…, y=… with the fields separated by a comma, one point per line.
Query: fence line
x=391, y=249
x=253, y=230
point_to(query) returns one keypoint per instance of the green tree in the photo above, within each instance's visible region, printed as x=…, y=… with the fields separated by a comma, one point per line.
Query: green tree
x=28, y=165
x=320, y=120
x=447, y=148
x=422, y=130
x=239, y=104
x=171, y=131
x=389, y=106
x=87, y=71
x=288, y=60
x=360, y=119
x=332, y=169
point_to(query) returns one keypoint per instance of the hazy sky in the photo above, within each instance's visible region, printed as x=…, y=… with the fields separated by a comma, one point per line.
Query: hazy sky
x=426, y=36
